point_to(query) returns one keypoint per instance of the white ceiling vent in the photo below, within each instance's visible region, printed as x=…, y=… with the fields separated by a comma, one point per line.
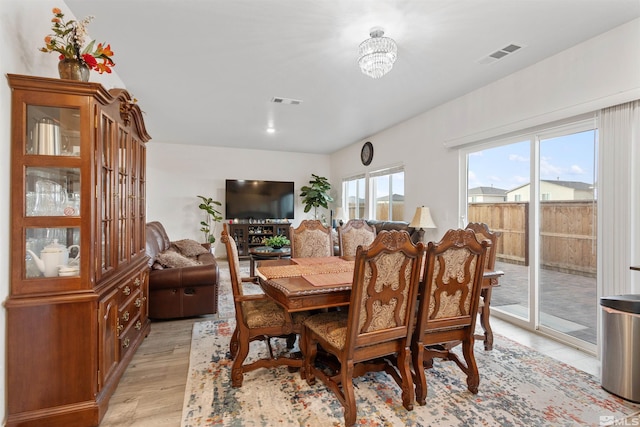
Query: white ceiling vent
x=500, y=53
x=290, y=101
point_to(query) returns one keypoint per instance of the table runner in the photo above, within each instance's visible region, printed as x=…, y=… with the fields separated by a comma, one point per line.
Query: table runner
x=318, y=260
x=293, y=270
x=330, y=279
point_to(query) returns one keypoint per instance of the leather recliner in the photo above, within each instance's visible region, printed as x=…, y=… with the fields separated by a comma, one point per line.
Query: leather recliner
x=181, y=291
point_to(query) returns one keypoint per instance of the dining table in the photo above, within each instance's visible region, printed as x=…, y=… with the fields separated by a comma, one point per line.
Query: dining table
x=299, y=284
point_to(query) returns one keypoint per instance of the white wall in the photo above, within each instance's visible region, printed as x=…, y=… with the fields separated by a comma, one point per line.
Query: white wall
x=176, y=174
x=23, y=25
x=600, y=72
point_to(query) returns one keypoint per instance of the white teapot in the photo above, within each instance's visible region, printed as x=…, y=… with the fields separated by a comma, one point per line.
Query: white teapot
x=51, y=257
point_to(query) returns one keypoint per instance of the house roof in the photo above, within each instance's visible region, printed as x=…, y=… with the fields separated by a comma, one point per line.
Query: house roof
x=489, y=191
x=576, y=185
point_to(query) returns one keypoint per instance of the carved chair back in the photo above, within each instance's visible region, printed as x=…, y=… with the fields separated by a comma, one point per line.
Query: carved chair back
x=311, y=239
x=354, y=233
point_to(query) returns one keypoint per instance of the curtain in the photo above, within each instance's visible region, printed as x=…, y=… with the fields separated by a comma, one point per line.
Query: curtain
x=619, y=224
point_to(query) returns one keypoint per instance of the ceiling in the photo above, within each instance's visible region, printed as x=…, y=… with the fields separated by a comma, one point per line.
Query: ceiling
x=205, y=71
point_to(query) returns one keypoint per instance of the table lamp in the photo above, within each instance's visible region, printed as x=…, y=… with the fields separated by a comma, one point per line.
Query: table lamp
x=421, y=220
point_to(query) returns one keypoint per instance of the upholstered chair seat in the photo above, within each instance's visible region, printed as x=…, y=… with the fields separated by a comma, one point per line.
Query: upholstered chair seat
x=266, y=313
x=330, y=326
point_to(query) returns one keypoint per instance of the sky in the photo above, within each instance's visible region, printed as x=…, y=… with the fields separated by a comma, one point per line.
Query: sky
x=566, y=158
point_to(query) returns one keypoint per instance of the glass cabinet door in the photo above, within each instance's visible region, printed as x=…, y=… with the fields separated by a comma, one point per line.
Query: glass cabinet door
x=52, y=191
x=52, y=131
x=106, y=152
x=52, y=252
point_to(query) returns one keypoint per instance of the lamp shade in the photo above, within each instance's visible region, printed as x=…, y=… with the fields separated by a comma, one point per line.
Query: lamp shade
x=422, y=219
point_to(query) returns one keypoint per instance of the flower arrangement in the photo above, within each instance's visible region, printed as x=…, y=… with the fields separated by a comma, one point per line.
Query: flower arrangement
x=277, y=241
x=68, y=38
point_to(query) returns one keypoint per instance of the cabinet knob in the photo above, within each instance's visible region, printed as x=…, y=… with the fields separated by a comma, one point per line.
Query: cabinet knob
x=120, y=328
x=137, y=281
x=125, y=343
x=126, y=290
x=125, y=316
x=138, y=302
x=138, y=325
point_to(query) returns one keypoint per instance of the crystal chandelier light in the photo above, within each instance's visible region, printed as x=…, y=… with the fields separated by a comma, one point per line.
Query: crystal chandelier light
x=377, y=54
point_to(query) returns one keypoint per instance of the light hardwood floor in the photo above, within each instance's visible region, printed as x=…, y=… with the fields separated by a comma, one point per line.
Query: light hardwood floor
x=151, y=391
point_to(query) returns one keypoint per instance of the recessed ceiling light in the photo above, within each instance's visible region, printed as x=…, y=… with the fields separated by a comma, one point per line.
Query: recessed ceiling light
x=271, y=130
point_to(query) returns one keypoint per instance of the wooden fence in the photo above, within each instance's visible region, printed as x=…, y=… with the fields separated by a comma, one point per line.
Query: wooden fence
x=567, y=231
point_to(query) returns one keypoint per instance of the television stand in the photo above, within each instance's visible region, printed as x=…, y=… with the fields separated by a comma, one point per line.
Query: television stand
x=248, y=236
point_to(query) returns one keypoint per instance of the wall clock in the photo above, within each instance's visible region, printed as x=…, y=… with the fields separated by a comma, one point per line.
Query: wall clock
x=366, y=154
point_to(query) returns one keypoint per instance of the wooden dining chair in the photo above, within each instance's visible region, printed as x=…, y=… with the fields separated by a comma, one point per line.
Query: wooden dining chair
x=354, y=233
x=311, y=239
x=258, y=317
x=448, y=306
x=374, y=334
x=482, y=232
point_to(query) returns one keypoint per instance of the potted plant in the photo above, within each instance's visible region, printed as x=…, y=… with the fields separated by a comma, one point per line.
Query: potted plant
x=316, y=194
x=212, y=218
x=276, y=242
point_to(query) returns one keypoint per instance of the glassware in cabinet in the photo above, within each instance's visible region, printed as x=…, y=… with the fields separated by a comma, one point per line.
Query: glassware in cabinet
x=52, y=191
x=52, y=131
x=52, y=252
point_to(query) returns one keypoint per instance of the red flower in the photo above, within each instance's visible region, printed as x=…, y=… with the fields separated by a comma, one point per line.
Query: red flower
x=90, y=60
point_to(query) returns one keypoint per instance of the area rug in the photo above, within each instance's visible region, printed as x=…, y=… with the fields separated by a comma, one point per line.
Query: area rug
x=518, y=387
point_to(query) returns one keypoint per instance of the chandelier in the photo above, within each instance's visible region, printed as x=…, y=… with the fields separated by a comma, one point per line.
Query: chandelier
x=377, y=54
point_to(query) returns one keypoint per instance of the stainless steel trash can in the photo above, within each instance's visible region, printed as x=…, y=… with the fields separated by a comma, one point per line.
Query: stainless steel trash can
x=621, y=346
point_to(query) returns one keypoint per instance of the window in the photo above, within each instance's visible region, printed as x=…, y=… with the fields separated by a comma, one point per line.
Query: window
x=378, y=195
x=353, y=197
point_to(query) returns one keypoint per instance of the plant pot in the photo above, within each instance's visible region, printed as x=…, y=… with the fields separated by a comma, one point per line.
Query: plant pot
x=275, y=248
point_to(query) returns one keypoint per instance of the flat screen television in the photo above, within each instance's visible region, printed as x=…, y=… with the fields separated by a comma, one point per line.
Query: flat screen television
x=245, y=199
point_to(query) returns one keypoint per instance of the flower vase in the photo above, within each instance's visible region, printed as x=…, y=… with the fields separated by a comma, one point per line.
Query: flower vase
x=73, y=69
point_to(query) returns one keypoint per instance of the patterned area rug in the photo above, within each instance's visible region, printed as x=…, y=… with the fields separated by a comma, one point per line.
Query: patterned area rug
x=518, y=387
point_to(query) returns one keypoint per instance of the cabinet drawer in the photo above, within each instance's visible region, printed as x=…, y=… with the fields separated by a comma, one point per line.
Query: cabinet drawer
x=130, y=309
x=130, y=334
x=130, y=286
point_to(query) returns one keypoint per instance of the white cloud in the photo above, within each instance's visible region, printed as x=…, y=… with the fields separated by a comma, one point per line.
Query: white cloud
x=517, y=158
x=547, y=169
x=577, y=170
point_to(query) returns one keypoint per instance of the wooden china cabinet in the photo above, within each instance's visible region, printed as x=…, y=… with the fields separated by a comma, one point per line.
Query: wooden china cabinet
x=77, y=306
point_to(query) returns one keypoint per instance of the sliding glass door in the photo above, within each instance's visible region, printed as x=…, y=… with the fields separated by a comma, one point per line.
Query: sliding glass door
x=567, y=235
x=539, y=191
